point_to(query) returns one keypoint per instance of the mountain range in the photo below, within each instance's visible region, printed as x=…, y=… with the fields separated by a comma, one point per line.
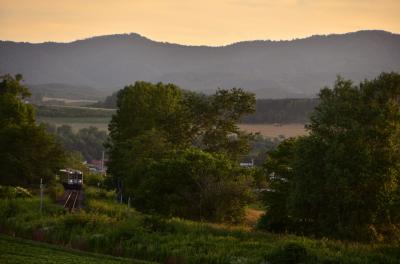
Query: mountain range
x=270, y=69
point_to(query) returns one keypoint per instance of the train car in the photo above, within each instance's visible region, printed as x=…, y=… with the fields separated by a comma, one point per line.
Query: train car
x=71, y=179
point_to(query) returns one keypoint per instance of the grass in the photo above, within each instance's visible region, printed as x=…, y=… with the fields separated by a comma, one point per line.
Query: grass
x=110, y=228
x=16, y=250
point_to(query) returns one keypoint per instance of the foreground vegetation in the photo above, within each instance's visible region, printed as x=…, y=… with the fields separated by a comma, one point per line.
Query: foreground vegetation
x=109, y=228
x=16, y=250
x=177, y=154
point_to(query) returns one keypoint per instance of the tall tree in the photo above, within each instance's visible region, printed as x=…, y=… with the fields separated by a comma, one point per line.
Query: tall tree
x=155, y=120
x=345, y=175
x=27, y=152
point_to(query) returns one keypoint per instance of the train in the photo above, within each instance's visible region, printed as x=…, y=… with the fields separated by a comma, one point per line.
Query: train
x=71, y=179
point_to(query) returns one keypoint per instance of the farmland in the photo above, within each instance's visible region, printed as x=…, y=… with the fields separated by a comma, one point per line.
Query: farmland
x=275, y=130
x=267, y=130
x=16, y=250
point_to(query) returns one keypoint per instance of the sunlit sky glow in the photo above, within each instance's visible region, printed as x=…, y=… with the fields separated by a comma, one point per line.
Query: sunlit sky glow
x=205, y=22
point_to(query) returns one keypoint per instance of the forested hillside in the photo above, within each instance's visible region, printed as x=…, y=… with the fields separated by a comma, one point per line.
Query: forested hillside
x=271, y=69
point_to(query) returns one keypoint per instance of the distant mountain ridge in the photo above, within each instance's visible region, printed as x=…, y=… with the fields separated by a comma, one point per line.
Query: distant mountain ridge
x=271, y=69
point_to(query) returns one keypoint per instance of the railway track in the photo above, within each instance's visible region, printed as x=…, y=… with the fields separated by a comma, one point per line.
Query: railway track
x=72, y=199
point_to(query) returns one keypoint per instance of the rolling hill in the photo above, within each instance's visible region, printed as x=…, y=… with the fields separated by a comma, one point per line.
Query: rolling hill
x=271, y=69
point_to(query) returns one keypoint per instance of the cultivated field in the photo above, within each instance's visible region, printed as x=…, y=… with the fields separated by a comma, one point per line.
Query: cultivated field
x=275, y=130
x=69, y=101
x=267, y=130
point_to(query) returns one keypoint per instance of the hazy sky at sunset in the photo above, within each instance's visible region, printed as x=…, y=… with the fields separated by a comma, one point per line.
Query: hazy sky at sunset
x=208, y=22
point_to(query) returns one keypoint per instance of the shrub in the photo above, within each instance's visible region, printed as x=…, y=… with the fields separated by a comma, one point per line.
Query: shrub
x=98, y=193
x=195, y=185
x=10, y=192
x=94, y=179
x=55, y=191
x=7, y=192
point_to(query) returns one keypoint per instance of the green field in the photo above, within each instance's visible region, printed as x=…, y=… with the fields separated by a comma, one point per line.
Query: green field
x=16, y=251
x=107, y=227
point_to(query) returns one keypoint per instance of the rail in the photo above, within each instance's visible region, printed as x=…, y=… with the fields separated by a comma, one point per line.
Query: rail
x=71, y=201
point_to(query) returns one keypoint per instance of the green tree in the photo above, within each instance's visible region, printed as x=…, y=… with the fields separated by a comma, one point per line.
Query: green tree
x=154, y=120
x=27, y=152
x=279, y=171
x=87, y=141
x=213, y=121
x=345, y=174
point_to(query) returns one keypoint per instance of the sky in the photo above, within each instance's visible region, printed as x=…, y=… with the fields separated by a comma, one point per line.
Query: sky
x=189, y=22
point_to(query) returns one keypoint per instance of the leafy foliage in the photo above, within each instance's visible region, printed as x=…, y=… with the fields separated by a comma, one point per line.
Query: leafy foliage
x=27, y=152
x=89, y=142
x=343, y=179
x=195, y=184
x=154, y=129
x=151, y=238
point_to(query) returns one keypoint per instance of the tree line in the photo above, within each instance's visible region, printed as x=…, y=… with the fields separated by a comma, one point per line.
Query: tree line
x=282, y=111
x=68, y=111
x=266, y=110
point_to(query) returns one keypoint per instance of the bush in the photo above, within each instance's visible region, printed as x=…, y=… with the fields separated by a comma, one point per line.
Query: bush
x=195, y=185
x=7, y=192
x=10, y=192
x=55, y=191
x=98, y=193
x=94, y=179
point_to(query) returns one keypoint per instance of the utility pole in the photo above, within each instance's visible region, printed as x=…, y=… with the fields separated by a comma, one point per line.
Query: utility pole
x=102, y=162
x=41, y=195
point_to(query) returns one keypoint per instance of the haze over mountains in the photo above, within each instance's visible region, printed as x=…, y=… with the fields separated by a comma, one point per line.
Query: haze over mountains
x=271, y=69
